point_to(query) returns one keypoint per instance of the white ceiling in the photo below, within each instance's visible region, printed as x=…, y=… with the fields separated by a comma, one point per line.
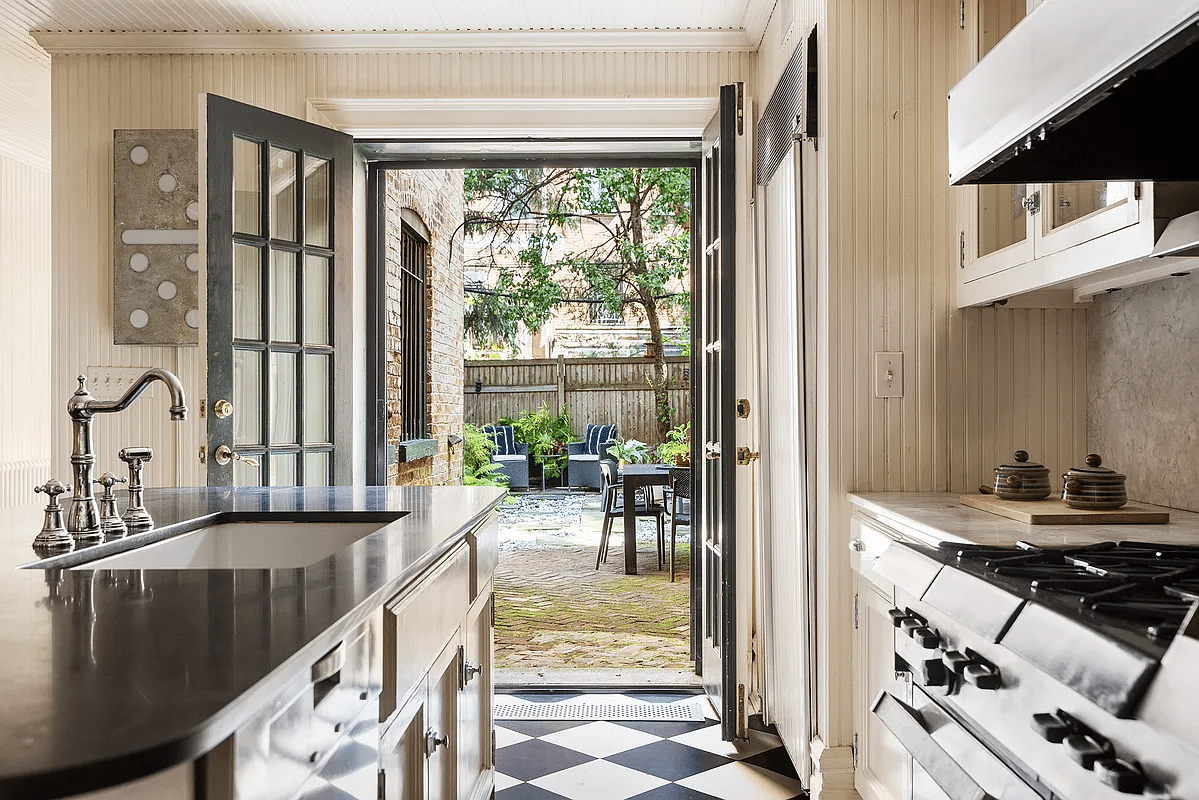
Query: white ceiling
x=399, y=16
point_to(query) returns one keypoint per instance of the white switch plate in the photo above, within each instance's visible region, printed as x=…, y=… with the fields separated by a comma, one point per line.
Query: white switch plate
x=888, y=374
x=110, y=383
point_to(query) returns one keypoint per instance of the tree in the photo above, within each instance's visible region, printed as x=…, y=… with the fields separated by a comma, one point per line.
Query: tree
x=629, y=239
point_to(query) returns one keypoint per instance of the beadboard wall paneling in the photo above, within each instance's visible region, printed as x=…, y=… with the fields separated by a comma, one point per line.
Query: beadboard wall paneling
x=25, y=402
x=24, y=96
x=93, y=94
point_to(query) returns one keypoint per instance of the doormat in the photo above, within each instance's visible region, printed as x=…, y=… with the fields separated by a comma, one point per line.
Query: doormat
x=615, y=710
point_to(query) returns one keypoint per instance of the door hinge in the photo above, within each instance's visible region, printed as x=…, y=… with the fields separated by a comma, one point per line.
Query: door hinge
x=492, y=748
x=203, y=453
x=203, y=407
x=740, y=108
x=962, y=250
x=854, y=751
x=741, y=711
x=382, y=784
x=1136, y=190
x=855, y=612
x=745, y=457
x=962, y=14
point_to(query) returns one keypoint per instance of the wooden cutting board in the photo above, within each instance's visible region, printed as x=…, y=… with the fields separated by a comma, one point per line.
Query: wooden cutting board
x=1052, y=511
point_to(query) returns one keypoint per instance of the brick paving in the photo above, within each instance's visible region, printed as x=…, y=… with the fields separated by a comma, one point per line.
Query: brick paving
x=554, y=610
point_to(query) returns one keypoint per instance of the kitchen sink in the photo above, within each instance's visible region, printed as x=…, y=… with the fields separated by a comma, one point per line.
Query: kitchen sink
x=247, y=542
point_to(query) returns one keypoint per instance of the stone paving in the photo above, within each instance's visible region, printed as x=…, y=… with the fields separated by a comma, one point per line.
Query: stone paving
x=555, y=611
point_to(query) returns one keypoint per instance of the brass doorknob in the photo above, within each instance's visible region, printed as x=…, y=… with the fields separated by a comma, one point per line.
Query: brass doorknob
x=224, y=456
x=222, y=409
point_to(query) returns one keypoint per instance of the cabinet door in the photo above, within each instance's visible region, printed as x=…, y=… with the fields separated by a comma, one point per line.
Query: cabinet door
x=402, y=761
x=442, y=735
x=475, y=704
x=1072, y=213
x=883, y=767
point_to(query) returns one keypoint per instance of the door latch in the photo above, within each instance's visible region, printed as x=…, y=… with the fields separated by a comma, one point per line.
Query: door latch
x=745, y=457
x=1032, y=203
x=743, y=408
x=203, y=451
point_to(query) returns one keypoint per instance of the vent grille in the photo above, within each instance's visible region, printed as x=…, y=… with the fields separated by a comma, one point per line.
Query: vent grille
x=780, y=123
x=590, y=710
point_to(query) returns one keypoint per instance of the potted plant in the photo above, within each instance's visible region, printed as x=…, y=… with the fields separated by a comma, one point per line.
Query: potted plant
x=477, y=466
x=546, y=435
x=630, y=451
x=677, y=447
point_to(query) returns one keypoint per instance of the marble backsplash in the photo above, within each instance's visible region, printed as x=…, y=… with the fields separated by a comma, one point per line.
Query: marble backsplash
x=1143, y=389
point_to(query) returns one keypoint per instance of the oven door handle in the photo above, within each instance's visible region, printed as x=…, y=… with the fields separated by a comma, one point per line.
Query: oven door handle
x=907, y=725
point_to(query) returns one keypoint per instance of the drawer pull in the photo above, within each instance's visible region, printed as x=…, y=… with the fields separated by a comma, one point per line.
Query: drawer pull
x=329, y=664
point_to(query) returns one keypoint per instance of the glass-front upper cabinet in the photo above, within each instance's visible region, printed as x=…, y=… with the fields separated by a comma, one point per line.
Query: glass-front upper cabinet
x=1016, y=223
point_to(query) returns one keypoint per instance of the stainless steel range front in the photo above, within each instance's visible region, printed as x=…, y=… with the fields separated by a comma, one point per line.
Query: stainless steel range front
x=1052, y=673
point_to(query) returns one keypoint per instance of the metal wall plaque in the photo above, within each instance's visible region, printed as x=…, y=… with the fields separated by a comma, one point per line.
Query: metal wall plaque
x=156, y=258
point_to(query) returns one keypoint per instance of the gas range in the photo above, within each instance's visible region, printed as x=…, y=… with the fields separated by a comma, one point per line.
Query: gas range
x=1050, y=672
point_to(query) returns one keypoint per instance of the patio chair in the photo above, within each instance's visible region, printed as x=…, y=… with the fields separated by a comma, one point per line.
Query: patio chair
x=680, y=505
x=612, y=504
x=511, y=455
x=583, y=458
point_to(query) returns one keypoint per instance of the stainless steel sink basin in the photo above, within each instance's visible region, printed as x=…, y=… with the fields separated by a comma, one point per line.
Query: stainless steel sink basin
x=242, y=544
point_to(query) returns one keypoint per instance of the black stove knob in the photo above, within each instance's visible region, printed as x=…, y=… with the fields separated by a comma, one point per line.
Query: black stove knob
x=925, y=637
x=956, y=662
x=909, y=624
x=984, y=676
x=933, y=673
x=1120, y=775
x=1051, y=727
x=897, y=616
x=1086, y=749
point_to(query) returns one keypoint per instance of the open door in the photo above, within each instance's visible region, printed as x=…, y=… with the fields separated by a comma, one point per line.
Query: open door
x=725, y=353
x=279, y=298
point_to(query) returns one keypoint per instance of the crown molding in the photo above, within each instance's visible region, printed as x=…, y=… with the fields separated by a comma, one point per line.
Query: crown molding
x=757, y=17
x=128, y=43
x=492, y=117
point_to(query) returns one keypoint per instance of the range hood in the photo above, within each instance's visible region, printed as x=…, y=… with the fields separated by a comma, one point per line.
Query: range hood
x=1083, y=90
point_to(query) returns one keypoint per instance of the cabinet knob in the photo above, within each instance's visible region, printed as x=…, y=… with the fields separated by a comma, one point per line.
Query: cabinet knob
x=433, y=740
x=469, y=671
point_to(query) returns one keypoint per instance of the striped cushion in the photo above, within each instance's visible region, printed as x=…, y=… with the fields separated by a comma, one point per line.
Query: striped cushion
x=595, y=435
x=502, y=437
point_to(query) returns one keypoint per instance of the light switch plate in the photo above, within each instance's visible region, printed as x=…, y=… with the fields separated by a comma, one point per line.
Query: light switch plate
x=888, y=374
x=110, y=383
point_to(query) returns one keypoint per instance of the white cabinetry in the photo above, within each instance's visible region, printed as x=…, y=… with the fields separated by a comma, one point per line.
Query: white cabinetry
x=882, y=768
x=1069, y=241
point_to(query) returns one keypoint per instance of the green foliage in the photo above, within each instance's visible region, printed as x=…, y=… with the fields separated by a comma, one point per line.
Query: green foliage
x=546, y=435
x=678, y=443
x=631, y=451
x=477, y=468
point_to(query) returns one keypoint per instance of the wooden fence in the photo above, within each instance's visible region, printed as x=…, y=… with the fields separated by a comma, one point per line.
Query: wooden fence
x=602, y=390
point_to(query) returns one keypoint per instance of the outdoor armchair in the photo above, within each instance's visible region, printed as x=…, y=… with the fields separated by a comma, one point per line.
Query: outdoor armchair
x=583, y=458
x=511, y=456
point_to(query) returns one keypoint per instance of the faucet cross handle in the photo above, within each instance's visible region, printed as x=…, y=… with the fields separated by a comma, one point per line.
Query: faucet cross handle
x=54, y=535
x=52, y=489
x=108, y=480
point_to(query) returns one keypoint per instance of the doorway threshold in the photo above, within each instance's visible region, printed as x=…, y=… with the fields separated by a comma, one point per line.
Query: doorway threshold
x=599, y=680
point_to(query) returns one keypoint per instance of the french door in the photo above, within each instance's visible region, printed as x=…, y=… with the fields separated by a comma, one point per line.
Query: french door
x=723, y=635
x=279, y=298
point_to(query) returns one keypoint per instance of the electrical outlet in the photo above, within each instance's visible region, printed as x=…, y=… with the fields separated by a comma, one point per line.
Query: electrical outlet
x=110, y=383
x=888, y=374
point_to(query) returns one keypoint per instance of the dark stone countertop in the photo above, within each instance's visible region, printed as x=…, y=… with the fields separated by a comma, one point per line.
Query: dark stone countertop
x=115, y=674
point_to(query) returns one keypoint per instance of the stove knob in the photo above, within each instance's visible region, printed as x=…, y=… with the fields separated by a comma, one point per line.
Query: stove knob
x=925, y=637
x=983, y=676
x=1086, y=750
x=1051, y=727
x=1120, y=775
x=956, y=662
x=897, y=616
x=909, y=624
x=933, y=673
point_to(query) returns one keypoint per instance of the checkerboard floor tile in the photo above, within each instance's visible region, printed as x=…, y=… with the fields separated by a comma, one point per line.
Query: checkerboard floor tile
x=615, y=760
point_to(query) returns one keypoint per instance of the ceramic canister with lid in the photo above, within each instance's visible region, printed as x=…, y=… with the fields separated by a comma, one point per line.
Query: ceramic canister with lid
x=1093, y=486
x=1022, y=480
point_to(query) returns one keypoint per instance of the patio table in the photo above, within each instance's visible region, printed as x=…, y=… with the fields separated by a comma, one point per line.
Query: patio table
x=634, y=477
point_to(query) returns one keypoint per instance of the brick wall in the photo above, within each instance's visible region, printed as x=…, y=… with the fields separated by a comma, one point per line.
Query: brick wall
x=436, y=197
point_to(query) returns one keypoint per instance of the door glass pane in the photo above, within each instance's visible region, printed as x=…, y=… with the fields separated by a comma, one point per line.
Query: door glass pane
x=1073, y=201
x=316, y=300
x=316, y=398
x=283, y=296
x=316, y=469
x=247, y=397
x=316, y=201
x=245, y=475
x=246, y=187
x=283, y=194
x=282, y=408
x=283, y=469
x=247, y=293
x=1002, y=220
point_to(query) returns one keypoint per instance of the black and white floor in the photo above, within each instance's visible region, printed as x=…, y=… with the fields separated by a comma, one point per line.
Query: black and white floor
x=557, y=759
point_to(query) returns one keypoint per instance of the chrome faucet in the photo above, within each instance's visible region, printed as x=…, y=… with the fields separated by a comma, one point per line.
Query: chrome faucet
x=83, y=520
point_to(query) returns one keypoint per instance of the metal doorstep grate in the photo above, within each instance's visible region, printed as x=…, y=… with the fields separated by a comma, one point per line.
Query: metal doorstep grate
x=615, y=710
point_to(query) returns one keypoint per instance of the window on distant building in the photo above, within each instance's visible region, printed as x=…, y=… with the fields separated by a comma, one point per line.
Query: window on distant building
x=413, y=303
x=602, y=315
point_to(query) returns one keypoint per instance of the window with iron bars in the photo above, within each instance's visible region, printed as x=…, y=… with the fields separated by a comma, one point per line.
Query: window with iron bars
x=413, y=304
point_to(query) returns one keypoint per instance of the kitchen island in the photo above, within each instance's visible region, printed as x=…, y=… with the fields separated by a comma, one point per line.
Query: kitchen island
x=119, y=674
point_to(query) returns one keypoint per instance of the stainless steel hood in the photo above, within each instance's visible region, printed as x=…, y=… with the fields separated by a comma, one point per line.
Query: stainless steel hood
x=1083, y=90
